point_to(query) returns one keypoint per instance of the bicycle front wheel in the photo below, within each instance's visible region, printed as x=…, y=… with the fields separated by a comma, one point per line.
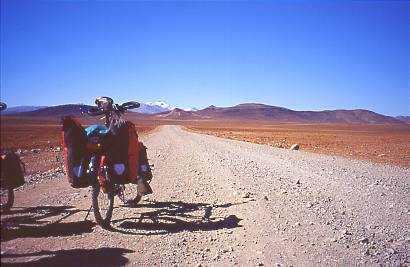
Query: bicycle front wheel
x=103, y=205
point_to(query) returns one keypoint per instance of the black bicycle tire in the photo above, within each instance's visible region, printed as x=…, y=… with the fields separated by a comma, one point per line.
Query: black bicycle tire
x=103, y=221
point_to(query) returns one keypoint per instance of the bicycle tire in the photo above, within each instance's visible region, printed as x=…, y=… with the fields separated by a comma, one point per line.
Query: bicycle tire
x=103, y=205
x=9, y=199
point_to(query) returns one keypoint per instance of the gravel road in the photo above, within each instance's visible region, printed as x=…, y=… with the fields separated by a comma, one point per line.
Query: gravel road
x=221, y=202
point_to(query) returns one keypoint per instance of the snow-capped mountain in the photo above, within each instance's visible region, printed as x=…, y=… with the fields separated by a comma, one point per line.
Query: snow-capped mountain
x=161, y=104
x=154, y=107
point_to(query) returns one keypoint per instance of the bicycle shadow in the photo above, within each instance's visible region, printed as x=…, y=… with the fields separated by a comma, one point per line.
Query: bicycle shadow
x=173, y=217
x=41, y=221
x=72, y=257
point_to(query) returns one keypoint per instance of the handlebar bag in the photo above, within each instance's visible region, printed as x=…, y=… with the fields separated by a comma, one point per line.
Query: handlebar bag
x=122, y=153
x=75, y=152
x=11, y=169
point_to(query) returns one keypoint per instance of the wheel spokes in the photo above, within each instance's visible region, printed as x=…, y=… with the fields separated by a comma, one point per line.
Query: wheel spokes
x=103, y=203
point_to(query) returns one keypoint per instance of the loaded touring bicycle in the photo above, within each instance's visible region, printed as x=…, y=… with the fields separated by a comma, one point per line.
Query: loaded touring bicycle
x=105, y=157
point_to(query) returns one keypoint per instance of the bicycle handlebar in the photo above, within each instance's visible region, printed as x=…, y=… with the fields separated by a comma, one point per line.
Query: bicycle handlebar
x=3, y=106
x=106, y=105
x=93, y=111
x=130, y=105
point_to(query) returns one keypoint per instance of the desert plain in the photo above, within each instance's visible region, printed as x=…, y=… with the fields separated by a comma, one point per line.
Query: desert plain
x=379, y=143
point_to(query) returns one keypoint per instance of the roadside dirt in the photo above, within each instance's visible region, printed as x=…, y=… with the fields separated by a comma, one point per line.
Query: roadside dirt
x=38, y=140
x=389, y=144
x=221, y=202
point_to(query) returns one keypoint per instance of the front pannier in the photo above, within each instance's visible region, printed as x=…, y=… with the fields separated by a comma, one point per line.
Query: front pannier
x=11, y=169
x=144, y=167
x=75, y=152
x=122, y=153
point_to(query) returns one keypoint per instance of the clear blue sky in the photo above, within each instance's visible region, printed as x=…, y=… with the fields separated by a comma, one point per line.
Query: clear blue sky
x=311, y=55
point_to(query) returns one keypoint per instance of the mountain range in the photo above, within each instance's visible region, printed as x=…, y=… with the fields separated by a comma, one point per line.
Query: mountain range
x=405, y=119
x=261, y=112
x=19, y=109
x=242, y=112
x=146, y=108
x=54, y=111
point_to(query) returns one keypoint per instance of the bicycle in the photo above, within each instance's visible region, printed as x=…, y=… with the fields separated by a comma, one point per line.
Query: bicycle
x=102, y=174
x=12, y=174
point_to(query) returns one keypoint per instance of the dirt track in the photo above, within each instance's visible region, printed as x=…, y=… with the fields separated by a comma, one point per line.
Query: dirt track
x=221, y=202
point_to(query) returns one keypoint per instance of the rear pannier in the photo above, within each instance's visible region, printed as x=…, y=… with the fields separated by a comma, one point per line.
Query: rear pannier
x=75, y=152
x=122, y=153
x=11, y=169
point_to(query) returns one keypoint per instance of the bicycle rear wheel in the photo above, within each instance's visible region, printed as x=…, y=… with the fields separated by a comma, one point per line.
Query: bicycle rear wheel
x=103, y=205
x=7, y=198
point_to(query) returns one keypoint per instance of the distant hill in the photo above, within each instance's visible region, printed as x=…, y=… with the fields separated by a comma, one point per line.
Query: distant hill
x=18, y=109
x=179, y=114
x=70, y=109
x=261, y=112
x=248, y=112
x=145, y=108
x=55, y=111
x=405, y=119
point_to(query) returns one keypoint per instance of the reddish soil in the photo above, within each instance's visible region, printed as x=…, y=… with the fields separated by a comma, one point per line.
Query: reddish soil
x=38, y=140
x=389, y=144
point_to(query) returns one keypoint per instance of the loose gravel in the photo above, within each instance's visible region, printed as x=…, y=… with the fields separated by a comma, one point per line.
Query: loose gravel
x=221, y=202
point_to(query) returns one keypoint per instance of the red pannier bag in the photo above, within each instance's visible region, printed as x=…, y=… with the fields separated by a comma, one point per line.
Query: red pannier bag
x=122, y=153
x=75, y=152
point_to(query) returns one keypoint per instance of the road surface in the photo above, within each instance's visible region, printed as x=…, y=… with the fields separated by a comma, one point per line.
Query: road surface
x=221, y=202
